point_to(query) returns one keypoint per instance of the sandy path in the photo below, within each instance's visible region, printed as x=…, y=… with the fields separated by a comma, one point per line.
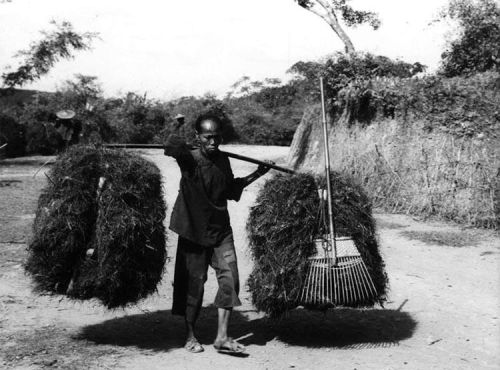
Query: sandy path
x=443, y=311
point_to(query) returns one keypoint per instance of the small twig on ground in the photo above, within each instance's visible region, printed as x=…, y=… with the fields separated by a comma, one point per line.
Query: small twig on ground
x=401, y=305
x=43, y=165
x=244, y=337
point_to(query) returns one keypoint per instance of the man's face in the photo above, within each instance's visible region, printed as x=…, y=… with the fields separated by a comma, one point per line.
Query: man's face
x=210, y=137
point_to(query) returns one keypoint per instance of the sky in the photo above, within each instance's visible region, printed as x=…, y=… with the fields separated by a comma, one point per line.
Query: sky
x=173, y=48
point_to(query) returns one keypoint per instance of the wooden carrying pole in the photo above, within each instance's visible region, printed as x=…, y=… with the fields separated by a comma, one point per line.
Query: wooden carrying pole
x=331, y=226
x=229, y=154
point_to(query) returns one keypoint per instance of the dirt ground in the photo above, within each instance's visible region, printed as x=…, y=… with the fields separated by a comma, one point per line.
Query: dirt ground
x=442, y=312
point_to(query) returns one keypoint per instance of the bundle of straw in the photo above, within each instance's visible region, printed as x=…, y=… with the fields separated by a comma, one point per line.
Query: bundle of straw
x=282, y=225
x=99, y=231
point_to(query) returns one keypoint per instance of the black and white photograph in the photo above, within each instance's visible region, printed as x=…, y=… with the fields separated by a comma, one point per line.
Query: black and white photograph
x=236, y=184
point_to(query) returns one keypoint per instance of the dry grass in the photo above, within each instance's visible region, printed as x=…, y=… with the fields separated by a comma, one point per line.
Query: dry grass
x=281, y=227
x=449, y=238
x=98, y=230
x=408, y=170
x=383, y=224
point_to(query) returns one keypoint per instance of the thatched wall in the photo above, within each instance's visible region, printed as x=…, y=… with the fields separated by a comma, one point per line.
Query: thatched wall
x=404, y=167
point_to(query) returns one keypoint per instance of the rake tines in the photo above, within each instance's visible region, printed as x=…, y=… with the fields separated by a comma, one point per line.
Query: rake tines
x=337, y=281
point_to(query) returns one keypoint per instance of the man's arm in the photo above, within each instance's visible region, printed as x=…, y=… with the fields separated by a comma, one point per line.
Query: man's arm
x=240, y=183
x=261, y=171
x=176, y=146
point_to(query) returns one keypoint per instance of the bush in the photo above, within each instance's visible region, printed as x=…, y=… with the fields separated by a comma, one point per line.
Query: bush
x=255, y=129
x=12, y=134
x=43, y=138
x=460, y=106
x=476, y=48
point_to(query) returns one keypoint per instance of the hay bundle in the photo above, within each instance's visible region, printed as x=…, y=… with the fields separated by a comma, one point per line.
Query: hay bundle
x=98, y=231
x=282, y=225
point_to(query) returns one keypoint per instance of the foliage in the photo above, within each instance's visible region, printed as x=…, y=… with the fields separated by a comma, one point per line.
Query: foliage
x=84, y=97
x=42, y=55
x=136, y=119
x=476, y=48
x=460, y=106
x=351, y=16
x=256, y=129
x=12, y=134
x=340, y=71
x=245, y=86
x=268, y=116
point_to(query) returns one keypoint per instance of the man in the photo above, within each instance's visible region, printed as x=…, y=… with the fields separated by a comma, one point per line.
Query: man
x=68, y=127
x=201, y=219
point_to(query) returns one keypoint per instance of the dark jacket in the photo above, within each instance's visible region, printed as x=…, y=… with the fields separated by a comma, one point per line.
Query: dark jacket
x=200, y=211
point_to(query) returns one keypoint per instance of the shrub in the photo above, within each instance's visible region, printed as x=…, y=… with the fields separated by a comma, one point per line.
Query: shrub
x=12, y=133
x=476, y=47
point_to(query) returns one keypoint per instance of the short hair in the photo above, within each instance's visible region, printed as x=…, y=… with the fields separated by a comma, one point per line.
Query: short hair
x=207, y=117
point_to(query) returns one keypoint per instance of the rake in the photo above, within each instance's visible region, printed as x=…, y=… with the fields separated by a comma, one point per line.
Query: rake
x=336, y=274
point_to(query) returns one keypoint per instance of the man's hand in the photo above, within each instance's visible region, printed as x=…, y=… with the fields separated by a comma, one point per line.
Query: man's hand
x=263, y=169
x=260, y=171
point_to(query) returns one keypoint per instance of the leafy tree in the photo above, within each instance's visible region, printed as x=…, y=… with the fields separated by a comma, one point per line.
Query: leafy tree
x=246, y=86
x=136, y=119
x=83, y=95
x=341, y=70
x=41, y=56
x=334, y=11
x=477, y=48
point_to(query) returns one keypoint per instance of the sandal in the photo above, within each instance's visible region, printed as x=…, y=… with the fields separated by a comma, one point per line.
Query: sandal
x=230, y=347
x=193, y=346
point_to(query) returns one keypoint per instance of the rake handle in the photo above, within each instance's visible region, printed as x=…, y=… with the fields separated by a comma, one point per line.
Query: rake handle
x=331, y=225
x=229, y=154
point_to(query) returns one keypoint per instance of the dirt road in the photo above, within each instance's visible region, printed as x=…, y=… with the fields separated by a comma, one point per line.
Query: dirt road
x=442, y=313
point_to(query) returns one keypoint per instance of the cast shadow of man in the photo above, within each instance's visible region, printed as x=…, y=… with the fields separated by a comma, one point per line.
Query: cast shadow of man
x=339, y=328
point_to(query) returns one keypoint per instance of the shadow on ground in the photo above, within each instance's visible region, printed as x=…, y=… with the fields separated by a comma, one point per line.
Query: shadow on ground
x=340, y=328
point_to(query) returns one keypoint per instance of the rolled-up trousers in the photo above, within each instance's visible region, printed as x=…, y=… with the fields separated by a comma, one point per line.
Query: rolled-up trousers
x=191, y=267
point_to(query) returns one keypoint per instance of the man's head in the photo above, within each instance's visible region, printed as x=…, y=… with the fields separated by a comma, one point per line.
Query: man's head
x=208, y=129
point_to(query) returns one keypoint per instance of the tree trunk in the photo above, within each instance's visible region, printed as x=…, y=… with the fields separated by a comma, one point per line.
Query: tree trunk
x=329, y=16
x=349, y=46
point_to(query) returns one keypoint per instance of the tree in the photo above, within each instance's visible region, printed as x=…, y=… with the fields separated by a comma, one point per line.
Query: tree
x=81, y=93
x=41, y=56
x=332, y=11
x=477, y=48
x=340, y=70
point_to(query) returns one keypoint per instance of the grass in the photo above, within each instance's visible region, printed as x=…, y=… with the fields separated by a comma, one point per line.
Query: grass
x=383, y=224
x=456, y=239
x=406, y=170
